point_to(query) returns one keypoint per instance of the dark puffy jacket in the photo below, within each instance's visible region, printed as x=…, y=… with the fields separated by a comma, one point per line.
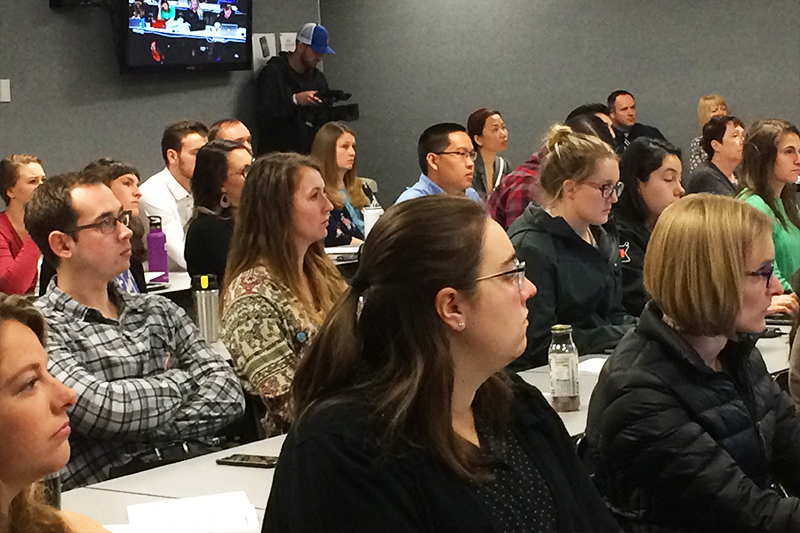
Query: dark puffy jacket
x=576, y=284
x=678, y=446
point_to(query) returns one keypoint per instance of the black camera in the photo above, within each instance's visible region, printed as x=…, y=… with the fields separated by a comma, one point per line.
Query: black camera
x=329, y=111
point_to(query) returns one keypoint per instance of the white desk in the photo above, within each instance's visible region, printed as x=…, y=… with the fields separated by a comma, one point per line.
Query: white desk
x=178, y=281
x=775, y=351
x=107, y=502
x=103, y=506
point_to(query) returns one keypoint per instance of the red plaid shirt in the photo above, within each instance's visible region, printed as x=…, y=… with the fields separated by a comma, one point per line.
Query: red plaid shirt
x=516, y=191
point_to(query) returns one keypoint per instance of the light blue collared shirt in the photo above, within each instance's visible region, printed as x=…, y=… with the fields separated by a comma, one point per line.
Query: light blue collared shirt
x=425, y=187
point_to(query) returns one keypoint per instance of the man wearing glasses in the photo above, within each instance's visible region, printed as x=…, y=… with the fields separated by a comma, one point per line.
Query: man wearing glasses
x=150, y=390
x=447, y=161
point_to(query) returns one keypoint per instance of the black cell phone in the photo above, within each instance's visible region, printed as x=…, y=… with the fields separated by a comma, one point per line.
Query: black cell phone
x=254, y=461
x=771, y=333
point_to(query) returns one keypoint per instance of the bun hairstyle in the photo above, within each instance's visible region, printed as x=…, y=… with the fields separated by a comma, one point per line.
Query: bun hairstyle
x=570, y=155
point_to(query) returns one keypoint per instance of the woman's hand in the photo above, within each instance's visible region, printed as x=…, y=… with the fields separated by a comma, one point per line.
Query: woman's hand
x=785, y=303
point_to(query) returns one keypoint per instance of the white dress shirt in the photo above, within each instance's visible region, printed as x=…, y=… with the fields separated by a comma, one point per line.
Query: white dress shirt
x=164, y=197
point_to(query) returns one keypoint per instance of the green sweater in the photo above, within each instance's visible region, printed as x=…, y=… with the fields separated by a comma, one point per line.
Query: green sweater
x=786, y=240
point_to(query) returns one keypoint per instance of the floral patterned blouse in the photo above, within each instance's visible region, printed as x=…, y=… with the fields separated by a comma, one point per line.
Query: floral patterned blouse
x=265, y=328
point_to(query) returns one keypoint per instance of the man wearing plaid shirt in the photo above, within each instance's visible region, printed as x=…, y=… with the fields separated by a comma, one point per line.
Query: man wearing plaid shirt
x=149, y=388
x=516, y=190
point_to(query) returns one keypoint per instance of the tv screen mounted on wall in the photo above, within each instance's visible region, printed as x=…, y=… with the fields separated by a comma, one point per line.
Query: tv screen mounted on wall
x=187, y=35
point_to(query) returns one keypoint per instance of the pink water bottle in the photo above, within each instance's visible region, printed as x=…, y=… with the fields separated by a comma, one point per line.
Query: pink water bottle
x=157, y=260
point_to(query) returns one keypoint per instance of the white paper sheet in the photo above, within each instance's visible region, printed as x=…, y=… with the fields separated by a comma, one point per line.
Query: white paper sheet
x=230, y=512
x=592, y=365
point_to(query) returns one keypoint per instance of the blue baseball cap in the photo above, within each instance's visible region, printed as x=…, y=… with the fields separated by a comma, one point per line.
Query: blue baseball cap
x=315, y=36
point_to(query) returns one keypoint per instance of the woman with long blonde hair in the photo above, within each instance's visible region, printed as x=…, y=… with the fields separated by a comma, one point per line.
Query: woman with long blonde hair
x=335, y=149
x=279, y=282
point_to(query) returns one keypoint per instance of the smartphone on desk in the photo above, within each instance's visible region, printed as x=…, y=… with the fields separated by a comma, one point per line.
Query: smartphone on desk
x=253, y=461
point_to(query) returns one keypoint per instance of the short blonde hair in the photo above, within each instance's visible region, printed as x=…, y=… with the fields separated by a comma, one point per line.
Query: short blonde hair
x=695, y=262
x=570, y=155
x=706, y=105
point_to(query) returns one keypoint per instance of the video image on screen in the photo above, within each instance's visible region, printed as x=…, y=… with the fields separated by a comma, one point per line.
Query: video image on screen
x=188, y=33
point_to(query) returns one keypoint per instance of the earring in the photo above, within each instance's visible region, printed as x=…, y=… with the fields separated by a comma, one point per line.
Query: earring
x=460, y=325
x=224, y=203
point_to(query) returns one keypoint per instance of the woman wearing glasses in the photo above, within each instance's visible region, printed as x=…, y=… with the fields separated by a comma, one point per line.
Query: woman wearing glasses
x=406, y=420
x=686, y=429
x=20, y=174
x=279, y=282
x=573, y=261
x=769, y=169
x=651, y=171
x=217, y=182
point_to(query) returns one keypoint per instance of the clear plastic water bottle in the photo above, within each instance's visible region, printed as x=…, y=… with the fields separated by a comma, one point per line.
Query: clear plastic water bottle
x=157, y=260
x=563, y=357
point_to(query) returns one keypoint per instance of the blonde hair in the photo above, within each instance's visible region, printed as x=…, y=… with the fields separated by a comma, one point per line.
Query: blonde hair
x=29, y=511
x=696, y=258
x=324, y=149
x=570, y=155
x=706, y=105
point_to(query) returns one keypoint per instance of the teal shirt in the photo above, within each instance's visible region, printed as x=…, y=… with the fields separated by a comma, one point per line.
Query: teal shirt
x=786, y=240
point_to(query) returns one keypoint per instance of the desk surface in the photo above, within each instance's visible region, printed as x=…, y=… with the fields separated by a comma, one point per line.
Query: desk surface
x=107, y=502
x=178, y=281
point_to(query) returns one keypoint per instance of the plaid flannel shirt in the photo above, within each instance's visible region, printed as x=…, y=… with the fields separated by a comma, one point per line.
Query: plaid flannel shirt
x=516, y=190
x=145, y=380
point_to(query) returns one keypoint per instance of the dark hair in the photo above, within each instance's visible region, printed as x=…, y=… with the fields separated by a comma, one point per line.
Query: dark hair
x=587, y=109
x=263, y=234
x=476, y=123
x=8, y=171
x=50, y=209
x=105, y=170
x=757, y=168
x=643, y=157
x=612, y=98
x=591, y=125
x=394, y=356
x=435, y=139
x=219, y=125
x=714, y=130
x=174, y=134
x=210, y=172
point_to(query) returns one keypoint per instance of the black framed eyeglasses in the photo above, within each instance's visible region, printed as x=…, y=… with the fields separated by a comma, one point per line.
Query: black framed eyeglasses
x=108, y=224
x=465, y=155
x=518, y=271
x=608, y=188
x=765, y=271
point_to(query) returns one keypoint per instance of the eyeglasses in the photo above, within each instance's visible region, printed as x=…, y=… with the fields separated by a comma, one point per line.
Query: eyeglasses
x=765, y=271
x=108, y=224
x=608, y=188
x=465, y=155
x=518, y=271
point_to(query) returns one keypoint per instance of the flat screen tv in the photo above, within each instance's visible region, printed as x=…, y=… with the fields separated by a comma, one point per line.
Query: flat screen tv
x=161, y=35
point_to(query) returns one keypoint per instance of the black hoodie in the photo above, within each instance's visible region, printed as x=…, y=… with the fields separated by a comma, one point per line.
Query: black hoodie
x=576, y=284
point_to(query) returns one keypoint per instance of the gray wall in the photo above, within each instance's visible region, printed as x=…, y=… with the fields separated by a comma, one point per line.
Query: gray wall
x=411, y=63
x=70, y=104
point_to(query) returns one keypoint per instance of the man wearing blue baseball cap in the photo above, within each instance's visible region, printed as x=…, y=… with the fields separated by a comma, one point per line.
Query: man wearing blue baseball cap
x=288, y=93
